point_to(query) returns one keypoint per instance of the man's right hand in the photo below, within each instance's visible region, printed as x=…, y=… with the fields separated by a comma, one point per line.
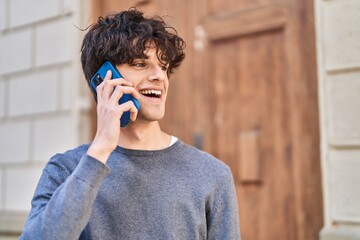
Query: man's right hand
x=109, y=113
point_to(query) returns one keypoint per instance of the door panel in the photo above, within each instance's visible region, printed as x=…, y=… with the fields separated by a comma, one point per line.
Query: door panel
x=251, y=102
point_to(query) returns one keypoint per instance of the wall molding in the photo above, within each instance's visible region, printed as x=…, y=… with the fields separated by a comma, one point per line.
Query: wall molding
x=339, y=233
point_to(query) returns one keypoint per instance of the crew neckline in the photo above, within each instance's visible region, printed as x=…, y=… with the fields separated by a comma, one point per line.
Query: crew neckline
x=147, y=152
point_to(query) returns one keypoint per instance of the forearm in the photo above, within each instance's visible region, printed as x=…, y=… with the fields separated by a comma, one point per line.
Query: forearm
x=68, y=210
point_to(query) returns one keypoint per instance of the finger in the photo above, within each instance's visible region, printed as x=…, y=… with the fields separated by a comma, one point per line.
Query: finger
x=120, y=81
x=101, y=86
x=108, y=75
x=109, y=86
x=129, y=106
x=121, y=90
x=133, y=114
x=99, y=91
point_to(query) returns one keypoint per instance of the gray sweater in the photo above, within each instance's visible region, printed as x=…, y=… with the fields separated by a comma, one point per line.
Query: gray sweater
x=175, y=193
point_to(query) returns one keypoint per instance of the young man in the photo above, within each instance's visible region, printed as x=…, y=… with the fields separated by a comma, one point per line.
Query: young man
x=136, y=182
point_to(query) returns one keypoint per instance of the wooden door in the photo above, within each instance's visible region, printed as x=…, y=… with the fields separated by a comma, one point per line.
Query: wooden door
x=247, y=93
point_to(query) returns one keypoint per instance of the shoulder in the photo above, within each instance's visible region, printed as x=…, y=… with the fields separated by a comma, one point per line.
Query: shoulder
x=59, y=168
x=68, y=160
x=204, y=163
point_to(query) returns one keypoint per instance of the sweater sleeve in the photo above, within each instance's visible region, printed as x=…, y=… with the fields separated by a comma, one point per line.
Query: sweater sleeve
x=222, y=215
x=62, y=202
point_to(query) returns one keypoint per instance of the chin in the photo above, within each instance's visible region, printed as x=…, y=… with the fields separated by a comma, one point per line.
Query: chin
x=151, y=116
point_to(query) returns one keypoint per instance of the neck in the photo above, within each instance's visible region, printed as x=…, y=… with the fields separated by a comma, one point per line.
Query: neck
x=144, y=136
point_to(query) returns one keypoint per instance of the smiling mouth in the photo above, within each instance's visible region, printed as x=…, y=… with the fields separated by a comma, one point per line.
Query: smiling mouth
x=152, y=93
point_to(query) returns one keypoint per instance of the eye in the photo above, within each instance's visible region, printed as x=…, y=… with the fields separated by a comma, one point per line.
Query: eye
x=164, y=67
x=138, y=64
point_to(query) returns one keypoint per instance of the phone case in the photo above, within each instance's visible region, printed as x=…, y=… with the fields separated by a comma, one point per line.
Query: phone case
x=99, y=77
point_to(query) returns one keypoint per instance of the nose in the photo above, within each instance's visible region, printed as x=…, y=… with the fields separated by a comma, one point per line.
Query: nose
x=157, y=74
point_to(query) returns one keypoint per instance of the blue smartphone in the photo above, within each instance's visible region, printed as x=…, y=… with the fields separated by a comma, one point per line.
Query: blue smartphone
x=99, y=77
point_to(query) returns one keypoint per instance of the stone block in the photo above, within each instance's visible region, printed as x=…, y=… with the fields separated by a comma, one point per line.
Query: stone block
x=14, y=142
x=341, y=34
x=2, y=98
x=345, y=185
x=68, y=84
x=29, y=11
x=53, y=135
x=54, y=42
x=343, y=112
x=20, y=184
x=33, y=93
x=69, y=5
x=15, y=51
x=1, y=190
x=3, y=15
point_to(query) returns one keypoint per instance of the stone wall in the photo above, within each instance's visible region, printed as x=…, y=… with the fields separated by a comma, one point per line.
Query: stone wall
x=338, y=46
x=43, y=101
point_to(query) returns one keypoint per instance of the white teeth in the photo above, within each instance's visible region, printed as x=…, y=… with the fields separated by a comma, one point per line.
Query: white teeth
x=155, y=92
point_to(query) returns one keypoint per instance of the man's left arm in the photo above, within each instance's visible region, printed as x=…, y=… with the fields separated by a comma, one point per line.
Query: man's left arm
x=223, y=216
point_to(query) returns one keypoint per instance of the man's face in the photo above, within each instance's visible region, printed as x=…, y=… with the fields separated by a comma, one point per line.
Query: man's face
x=150, y=79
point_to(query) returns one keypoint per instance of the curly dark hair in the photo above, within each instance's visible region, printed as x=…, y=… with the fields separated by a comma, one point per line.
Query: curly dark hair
x=123, y=37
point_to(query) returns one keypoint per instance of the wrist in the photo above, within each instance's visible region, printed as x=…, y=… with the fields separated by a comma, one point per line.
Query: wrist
x=99, y=152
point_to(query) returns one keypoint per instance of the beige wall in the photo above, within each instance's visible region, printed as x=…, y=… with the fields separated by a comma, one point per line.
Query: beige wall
x=338, y=46
x=43, y=104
